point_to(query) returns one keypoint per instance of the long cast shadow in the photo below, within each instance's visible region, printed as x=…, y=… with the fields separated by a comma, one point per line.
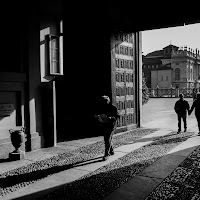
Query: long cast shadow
x=9, y=181
x=3, y=160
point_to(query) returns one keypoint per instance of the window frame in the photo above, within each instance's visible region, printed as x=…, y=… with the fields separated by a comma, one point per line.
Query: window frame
x=59, y=48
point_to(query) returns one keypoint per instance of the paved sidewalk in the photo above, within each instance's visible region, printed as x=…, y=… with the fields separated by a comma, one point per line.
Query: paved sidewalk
x=159, y=113
x=136, y=188
x=41, y=154
x=139, y=187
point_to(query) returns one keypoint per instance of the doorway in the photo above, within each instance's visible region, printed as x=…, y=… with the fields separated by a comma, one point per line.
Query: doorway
x=164, y=51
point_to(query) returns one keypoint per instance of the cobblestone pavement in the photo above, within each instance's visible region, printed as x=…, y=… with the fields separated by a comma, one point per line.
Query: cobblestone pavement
x=103, y=181
x=12, y=180
x=183, y=183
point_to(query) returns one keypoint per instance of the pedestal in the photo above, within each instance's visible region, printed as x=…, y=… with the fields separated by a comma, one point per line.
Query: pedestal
x=16, y=155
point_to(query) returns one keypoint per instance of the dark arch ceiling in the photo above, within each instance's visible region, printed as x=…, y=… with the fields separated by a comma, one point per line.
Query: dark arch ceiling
x=148, y=15
x=126, y=15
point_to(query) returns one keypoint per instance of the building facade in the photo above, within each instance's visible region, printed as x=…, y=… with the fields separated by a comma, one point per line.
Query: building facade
x=186, y=68
x=172, y=67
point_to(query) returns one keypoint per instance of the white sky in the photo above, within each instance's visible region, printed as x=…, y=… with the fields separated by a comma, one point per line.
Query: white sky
x=157, y=39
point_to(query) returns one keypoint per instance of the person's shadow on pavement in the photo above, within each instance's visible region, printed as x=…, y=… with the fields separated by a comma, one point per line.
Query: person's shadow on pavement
x=3, y=160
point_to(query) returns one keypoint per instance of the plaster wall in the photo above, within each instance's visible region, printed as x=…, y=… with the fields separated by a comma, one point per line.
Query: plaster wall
x=161, y=78
x=34, y=89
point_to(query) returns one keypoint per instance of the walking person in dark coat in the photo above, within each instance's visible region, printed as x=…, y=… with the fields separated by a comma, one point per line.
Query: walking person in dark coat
x=107, y=116
x=194, y=93
x=196, y=105
x=181, y=107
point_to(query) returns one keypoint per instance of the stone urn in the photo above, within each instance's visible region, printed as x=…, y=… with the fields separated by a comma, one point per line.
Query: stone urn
x=17, y=138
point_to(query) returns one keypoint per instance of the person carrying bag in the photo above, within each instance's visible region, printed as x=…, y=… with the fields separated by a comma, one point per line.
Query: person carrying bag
x=107, y=115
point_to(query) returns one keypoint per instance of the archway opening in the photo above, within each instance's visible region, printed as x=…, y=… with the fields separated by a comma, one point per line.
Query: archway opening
x=171, y=65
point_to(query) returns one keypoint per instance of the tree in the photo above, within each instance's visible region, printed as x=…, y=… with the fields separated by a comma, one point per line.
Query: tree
x=145, y=91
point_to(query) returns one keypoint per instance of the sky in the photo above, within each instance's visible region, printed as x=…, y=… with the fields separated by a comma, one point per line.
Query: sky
x=157, y=39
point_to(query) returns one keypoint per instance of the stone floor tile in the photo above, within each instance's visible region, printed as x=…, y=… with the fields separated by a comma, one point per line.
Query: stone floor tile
x=162, y=167
x=136, y=188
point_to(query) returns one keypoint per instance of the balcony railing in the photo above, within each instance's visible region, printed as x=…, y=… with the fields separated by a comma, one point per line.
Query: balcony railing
x=172, y=92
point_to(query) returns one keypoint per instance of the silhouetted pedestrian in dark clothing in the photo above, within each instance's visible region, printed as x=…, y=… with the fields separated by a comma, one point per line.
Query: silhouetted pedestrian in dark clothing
x=194, y=93
x=196, y=105
x=181, y=107
x=107, y=116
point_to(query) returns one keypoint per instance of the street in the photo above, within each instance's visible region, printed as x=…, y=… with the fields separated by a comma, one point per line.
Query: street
x=159, y=113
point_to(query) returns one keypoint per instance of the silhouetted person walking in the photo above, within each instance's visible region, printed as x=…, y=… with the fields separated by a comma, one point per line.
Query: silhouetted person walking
x=107, y=116
x=194, y=93
x=181, y=107
x=196, y=105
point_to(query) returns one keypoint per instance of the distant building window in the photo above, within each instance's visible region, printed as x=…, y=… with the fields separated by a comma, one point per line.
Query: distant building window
x=131, y=51
x=166, y=78
x=126, y=37
x=116, y=49
x=177, y=74
x=126, y=50
x=122, y=77
x=161, y=78
x=130, y=38
x=131, y=64
x=117, y=77
x=127, y=64
x=122, y=63
x=127, y=77
x=121, y=49
x=117, y=62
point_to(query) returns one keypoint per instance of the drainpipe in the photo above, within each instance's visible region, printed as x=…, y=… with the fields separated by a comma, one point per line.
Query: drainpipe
x=138, y=77
x=54, y=114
